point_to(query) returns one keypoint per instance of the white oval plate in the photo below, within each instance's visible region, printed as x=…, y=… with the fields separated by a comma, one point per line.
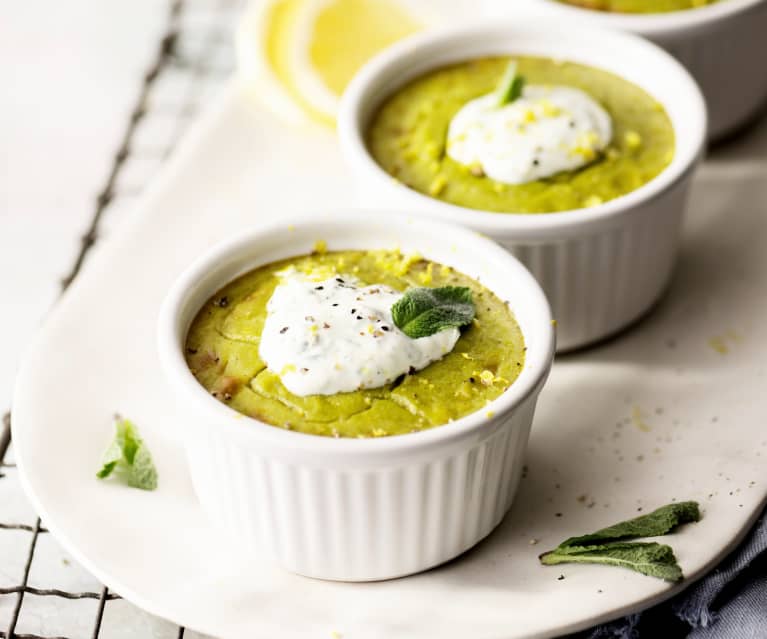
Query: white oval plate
x=654, y=415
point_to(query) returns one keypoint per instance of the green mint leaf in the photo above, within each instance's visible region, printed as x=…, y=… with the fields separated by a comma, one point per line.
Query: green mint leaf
x=510, y=87
x=608, y=546
x=659, y=522
x=106, y=470
x=421, y=312
x=652, y=559
x=128, y=458
x=112, y=455
x=142, y=474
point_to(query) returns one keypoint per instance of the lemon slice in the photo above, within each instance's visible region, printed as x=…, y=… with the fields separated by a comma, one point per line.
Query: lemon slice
x=297, y=56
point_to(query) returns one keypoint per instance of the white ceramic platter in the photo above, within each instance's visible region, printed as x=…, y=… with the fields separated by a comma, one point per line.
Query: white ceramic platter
x=674, y=409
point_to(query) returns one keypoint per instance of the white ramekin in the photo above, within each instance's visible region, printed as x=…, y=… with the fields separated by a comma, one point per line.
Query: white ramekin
x=723, y=45
x=601, y=267
x=357, y=509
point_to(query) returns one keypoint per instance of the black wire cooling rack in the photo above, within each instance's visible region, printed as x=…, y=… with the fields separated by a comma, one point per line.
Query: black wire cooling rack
x=193, y=57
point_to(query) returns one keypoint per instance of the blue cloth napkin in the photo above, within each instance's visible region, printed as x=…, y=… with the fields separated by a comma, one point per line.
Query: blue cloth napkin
x=728, y=603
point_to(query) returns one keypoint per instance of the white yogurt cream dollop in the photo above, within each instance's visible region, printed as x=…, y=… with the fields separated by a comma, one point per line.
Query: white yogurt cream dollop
x=335, y=336
x=548, y=129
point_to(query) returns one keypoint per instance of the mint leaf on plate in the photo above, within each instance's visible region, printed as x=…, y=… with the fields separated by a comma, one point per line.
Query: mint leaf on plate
x=421, y=312
x=652, y=559
x=659, y=522
x=609, y=546
x=128, y=458
x=510, y=87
